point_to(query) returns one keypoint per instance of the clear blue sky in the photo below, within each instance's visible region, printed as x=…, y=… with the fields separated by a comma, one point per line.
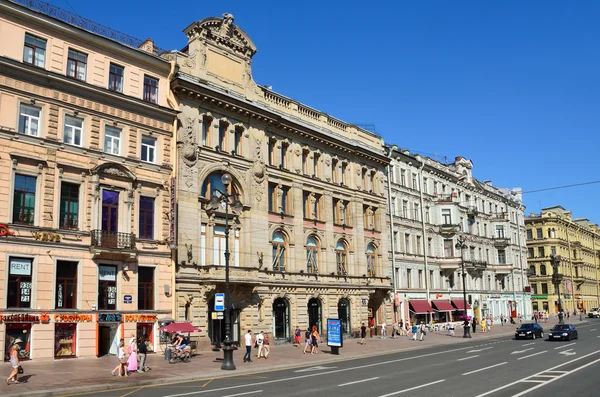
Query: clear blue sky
x=511, y=85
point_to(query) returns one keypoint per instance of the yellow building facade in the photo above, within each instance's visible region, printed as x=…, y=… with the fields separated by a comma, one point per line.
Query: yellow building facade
x=85, y=170
x=576, y=243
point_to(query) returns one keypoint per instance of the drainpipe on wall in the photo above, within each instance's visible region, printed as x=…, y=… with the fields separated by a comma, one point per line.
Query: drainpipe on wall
x=393, y=242
x=424, y=232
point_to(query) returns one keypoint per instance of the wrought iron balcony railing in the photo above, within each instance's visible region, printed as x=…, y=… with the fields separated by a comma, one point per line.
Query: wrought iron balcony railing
x=106, y=239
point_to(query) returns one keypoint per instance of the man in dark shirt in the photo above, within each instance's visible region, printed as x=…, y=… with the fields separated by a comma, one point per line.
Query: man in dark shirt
x=363, y=334
x=142, y=350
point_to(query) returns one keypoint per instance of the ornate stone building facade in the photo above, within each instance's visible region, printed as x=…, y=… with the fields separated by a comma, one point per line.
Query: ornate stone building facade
x=576, y=243
x=310, y=241
x=431, y=206
x=85, y=166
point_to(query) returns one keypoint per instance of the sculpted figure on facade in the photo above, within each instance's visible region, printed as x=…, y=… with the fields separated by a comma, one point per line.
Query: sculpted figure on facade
x=186, y=144
x=259, y=168
x=226, y=24
x=358, y=178
x=327, y=171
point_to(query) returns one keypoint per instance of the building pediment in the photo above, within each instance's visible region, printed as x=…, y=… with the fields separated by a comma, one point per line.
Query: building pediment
x=114, y=170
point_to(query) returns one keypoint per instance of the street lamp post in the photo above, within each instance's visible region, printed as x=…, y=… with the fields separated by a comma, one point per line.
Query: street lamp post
x=462, y=245
x=556, y=280
x=222, y=199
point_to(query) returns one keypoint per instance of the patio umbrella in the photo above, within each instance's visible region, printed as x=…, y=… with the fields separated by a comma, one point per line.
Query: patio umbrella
x=180, y=328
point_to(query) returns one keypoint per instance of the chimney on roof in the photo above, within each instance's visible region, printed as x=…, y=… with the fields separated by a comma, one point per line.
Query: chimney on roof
x=148, y=46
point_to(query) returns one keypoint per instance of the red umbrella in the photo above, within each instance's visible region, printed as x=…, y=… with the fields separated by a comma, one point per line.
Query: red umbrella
x=180, y=327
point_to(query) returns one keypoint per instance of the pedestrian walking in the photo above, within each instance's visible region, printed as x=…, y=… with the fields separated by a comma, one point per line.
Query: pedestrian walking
x=488, y=322
x=142, y=350
x=383, y=330
x=248, y=342
x=266, y=347
x=363, y=334
x=474, y=324
x=14, y=364
x=414, y=330
x=297, y=336
x=314, y=340
x=502, y=320
x=307, y=341
x=394, y=330
x=122, y=357
x=401, y=328
x=423, y=331
x=132, y=361
x=260, y=337
x=483, y=325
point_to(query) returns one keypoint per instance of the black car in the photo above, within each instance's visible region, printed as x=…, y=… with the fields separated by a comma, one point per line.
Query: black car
x=563, y=332
x=529, y=330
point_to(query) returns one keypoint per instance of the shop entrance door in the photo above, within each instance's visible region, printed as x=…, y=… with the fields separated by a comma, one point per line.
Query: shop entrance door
x=107, y=340
x=314, y=314
x=281, y=326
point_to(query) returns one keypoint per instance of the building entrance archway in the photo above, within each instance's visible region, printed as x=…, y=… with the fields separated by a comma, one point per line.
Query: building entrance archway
x=314, y=314
x=344, y=316
x=281, y=319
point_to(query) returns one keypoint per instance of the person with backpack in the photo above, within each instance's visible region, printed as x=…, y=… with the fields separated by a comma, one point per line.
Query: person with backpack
x=307, y=344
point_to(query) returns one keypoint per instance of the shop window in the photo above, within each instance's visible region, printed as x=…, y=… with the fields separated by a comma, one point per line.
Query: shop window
x=107, y=287
x=24, y=199
x=65, y=340
x=66, y=285
x=19, y=283
x=18, y=334
x=146, y=224
x=69, y=206
x=146, y=288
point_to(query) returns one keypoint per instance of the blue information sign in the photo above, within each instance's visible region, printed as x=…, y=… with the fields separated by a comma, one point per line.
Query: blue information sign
x=219, y=302
x=334, y=332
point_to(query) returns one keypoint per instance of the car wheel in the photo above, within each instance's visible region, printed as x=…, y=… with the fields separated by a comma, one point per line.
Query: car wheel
x=533, y=335
x=542, y=335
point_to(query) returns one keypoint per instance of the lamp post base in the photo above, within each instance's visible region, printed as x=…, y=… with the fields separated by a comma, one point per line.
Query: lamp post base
x=467, y=331
x=228, y=364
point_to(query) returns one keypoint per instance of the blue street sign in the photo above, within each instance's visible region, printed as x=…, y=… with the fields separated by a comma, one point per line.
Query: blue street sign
x=219, y=302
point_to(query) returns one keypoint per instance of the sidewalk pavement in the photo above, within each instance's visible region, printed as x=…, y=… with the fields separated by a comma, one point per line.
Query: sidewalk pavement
x=80, y=375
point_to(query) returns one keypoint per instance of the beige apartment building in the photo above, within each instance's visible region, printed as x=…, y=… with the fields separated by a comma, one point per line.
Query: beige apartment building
x=576, y=245
x=85, y=172
x=310, y=239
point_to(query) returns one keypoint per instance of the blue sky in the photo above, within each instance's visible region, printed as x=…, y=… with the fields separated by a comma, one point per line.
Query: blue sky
x=511, y=85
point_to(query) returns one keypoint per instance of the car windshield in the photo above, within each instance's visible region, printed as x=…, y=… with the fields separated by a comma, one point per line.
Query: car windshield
x=561, y=328
x=526, y=326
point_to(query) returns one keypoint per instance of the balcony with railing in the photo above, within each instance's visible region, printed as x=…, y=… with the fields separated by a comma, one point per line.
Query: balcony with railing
x=443, y=198
x=476, y=265
x=113, y=240
x=448, y=229
x=500, y=216
x=501, y=241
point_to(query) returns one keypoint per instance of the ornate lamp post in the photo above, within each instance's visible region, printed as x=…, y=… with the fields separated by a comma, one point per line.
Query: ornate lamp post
x=462, y=245
x=556, y=280
x=222, y=199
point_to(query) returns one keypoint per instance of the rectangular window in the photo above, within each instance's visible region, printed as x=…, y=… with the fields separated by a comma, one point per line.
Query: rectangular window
x=77, y=64
x=420, y=278
x=205, y=131
x=19, y=283
x=107, y=287
x=115, y=78
x=112, y=140
x=146, y=225
x=69, y=206
x=344, y=171
x=446, y=217
x=146, y=288
x=448, y=248
x=530, y=253
x=544, y=288
x=110, y=211
x=407, y=243
x=415, y=184
x=237, y=142
x=73, y=130
x=404, y=209
x=222, y=136
x=541, y=252
x=29, y=120
x=219, y=245
x=66, y=285
x=553, y=250
x=24, y=199
x=408, y=278
x=418, y=245
x=501, y=256
x=150, y=89
x=425, y=185
x=539, y=233
x=499, y=231
x=403, y=177
x=34, y=51
x=148, y=149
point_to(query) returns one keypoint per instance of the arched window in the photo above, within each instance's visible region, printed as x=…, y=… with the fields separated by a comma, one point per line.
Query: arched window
x=370, y=260
x=542, y=270
x=341, y=257
x=279, y=248
x=312, y=255
x=213, y=185
x=532, y=270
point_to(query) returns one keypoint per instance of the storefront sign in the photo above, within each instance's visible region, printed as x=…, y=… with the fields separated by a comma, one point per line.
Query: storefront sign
x=4, y=231
x=72, y=318
x=44, y=236
x=128, y=299
x=107, y=273
x=539, y=296
x=19, y=318
x=110, y=318
x=334, y=332
x=173, y=215
x=140, y=318
x=20, y=266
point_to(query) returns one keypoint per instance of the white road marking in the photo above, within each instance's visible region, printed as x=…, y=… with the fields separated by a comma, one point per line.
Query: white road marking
x=267, y=382
x=358, y=381
x=562, y=347
x=413, y=388
x=521, y=351
x=560, y=375
x=529, y=344
x=466, y=358
x=484, y=368
x=316, y=368
x=567, y=352
x=244, y=394
x=534, y=381
x=478, y=350
x=592, y=329
x=531, y=355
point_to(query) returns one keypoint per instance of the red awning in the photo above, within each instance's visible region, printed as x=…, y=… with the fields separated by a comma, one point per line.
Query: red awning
x=443, y=306
x=459, y=304
x=180, y=327
x=420, y=306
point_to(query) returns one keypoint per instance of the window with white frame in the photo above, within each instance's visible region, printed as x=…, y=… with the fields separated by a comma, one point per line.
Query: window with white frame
x=148, y=149
x=29, y=120
x=112, y=140
x=73, y=130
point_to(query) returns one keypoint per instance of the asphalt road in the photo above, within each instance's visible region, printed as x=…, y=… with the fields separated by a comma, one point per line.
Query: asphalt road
x=496, y=367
